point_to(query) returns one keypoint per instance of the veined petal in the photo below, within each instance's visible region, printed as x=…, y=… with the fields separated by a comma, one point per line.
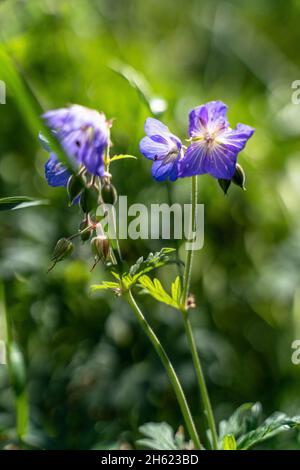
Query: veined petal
x=56, y=117
x=194, y=160
x=208, y=116
x=236, y=139
x=220, y=163
x=161, y=171
x=56, y=174
x=151, y=149
x=155, y=127
x=92, y=158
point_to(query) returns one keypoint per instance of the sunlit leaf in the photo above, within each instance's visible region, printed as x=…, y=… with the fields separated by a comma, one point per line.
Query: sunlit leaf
x=248, y=429
x=275, y=424
x=229, y=442
x=122, y=157
x=20, y=202
x=158, y=436
x=156, y=290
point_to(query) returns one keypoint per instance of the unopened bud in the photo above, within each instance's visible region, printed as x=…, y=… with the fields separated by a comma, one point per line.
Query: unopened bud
x=83, y=227
x=74, y=187
x=239, y=177
x=63, y=248
x=224, y=184
x=100, y=248
x=88, y=200
x=109, y=193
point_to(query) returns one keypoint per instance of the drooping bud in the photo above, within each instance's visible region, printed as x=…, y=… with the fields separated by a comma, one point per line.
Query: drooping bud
x=100, y=248
x=224, y=184
x=88, y=200
x=63, y=248
x=74, y=187
x=239, y=177
x=84, y=227
x=109, y=194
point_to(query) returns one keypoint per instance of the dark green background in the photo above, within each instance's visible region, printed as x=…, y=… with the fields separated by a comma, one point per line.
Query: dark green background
x=93, y=377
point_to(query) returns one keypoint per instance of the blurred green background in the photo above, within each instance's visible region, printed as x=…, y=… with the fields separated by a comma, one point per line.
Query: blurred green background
x=93, y=377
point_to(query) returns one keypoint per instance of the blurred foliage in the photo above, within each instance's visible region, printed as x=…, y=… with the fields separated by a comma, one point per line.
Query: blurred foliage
x=93, y=377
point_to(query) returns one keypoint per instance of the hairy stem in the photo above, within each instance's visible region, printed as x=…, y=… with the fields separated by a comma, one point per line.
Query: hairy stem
x=169, y=369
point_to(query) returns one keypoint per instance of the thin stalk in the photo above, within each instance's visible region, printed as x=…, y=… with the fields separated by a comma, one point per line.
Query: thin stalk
x=189, y=256
x=201, y=381
x=188, y=329
x=169, y=369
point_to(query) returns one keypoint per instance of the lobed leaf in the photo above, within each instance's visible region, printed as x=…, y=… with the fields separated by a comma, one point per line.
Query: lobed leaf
x=158, y=436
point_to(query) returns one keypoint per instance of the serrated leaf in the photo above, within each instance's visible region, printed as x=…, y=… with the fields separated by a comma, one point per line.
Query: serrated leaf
x=275, y=424
x=159, y=436
x=176, y=290
x=229, y=442
x=19, y=202
x=244, y=419
x=156, y=290
x=245, y=425
x=153, y=261
x=121, y=157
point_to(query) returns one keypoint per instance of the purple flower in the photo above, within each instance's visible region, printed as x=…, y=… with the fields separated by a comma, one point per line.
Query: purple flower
x=56, y=174
x=214, y=145
x=163, y=148
x=83, y=134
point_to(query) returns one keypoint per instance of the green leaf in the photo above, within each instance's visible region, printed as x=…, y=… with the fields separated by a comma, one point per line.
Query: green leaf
x=106, y=285
x=176, y=290
x=275, y=424
x=121, y=157
x=158, y=436
x=130, y=278
x=248, y=429
x=153, y=261
x=244, y=419
x=20, y=202
x=156, y=290
x=229, y=442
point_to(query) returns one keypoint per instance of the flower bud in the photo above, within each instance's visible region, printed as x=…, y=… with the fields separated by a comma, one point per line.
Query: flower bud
x=88, y=200
x=82, y=227
x=100, y=246
x=239, y=177
x=74, y=187
x=109, y=193
x=100, y=249
x=63, y=248
x=224, y=184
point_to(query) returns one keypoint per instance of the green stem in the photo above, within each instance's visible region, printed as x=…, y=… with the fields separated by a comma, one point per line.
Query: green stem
x=169, y=369
x=188, y=329
x=201, y=381
x=189, y=256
